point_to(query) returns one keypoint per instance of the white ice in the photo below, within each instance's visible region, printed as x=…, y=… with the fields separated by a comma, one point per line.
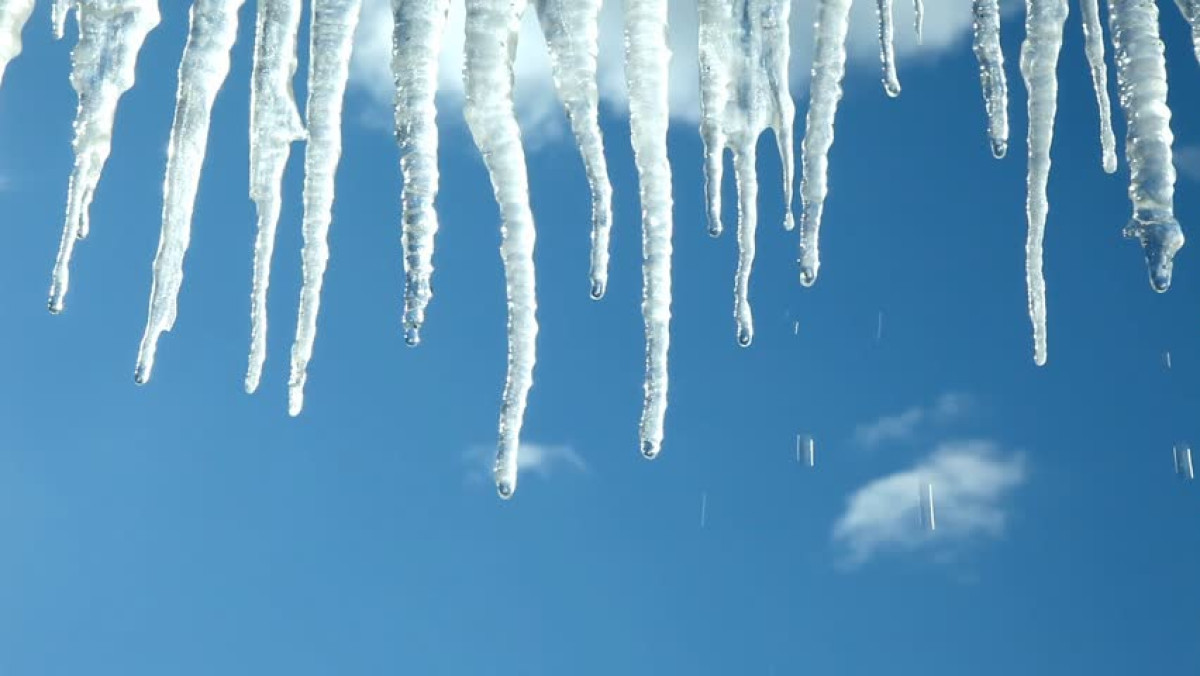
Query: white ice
x=986, y=45
x=13, y=16
x=1093, y=36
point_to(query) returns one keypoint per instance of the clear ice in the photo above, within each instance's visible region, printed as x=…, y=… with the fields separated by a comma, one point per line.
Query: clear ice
x=1191, y=11
x=986, y=45
x=887, y=47
x=1093, y=44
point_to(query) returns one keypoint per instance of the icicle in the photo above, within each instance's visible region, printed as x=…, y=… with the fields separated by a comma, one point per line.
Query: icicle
x=202, y=70
x=492, y=30
x=919, y=20
x=111, y=33
x=330, y=41
x=647, y=57
x=744, y=52
x=1044, y=21
x=1142, y=78
x=1093, y=36
x=887, y=49
x=1191, y=11
x=987, y=50
x=274, y=124
x=13, y=15
x=58, y=16
x=572, y=32
x=825, y=91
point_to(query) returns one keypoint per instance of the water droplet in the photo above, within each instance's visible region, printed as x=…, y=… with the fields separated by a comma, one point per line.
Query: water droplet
x=745, y=335
x=412, y=336
x=650, y=449
x=598, y=289
x=808, y=274
x=1161, y=239
x=505, y=489
x=999, y=149
x=715, y=229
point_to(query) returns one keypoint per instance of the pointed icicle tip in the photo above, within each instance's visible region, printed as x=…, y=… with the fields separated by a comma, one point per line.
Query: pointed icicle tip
x=1161, y=238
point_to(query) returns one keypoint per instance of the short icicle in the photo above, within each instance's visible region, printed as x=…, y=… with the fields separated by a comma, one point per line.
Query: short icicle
x=887, y=48
x=647, y=57
x=492, y=31
x=571, y=28
x=1191, y=11
x=211, y=33
x=1093, y=37
x=330, y=41
x=103, y=64
x=986, y=45
x=1142, y=82
x=274, y=125
x=1044, y=21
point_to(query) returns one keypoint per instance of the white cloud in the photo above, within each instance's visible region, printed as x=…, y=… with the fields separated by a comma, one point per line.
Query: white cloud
x=970, y=481
x=902, y=426
x=946, y=21
x=1187, y=162
x=541, y=460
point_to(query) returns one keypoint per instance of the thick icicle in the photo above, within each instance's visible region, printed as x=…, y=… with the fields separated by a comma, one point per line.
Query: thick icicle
x=330, y=41
x=647, y=57
x=1191, y=11
x=572, y=33
x=1093, y=36
x=111, y=33
x=887, y=48
x=986, y=46
x=1142, y=80
x=825, y=91
x=744, y=53
x=1044, y=21
x=274, y=124
x=202, y=70
x=919, y=20
x=492, y=30
x=417, y=30
x=13, y=15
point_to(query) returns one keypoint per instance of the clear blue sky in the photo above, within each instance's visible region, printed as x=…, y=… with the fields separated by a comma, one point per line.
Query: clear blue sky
x=186, y=528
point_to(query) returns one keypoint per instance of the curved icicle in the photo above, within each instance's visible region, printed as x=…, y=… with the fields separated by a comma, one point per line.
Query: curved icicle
x=1191, y=11
x=103, y=63
x=1093, y=37
x=1044, y=20
x=274, y=125
x=572, y=32
x=1142, y=80
x=492, y=31
x=647, y=57
x=825, y=92
x=887, y=48
x=744, y=52
x=986, y=45
x=13, y=16
x=416, y=44
x=330, y=41
x=202, y=70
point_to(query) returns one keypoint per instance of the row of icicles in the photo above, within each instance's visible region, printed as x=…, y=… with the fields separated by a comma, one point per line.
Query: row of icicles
x=744, y=63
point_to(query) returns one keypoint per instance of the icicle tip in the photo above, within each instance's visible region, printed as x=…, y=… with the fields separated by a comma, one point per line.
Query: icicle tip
x=412, y=336
x=999, y=148
x=1161, y=238
x=598, y=289
x=650, y=449
x=745, y=334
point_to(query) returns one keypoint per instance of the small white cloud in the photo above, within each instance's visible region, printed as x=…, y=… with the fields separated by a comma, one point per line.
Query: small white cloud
x=970, y=481
x=904, y=425
x=1187, y=162
x=541, y=460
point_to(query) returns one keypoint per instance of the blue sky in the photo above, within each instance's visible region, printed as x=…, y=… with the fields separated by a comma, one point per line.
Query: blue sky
x=187, y=528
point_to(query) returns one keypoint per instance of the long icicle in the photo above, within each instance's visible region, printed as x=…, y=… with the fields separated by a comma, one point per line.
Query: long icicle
x=274, y=125
x=1142, y=79
x=744, y=49
x=1191, y=11
x=572, y=33
x=1044, y=20
x=492, y=30
x=417, y=29
x=986, y=45
x=647, y=57
x=103, y=64
x=331, y=39
x=825, y=91
x=1093, y=45
x=202, y=70
x=887, y=48
x=13, y=16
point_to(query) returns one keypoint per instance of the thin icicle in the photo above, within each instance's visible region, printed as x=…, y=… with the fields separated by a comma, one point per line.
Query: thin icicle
x=58, y=16
x=919, y=20
x=1142, y=79
x=1044, y=21
x=825, y=91
x=744, y=52
x=202, y=70
x=492, y=30
x=111, y=34
x=274, y=125
x=1093, y=45
x=13, y=16
x=887, y=48
x=647, y=57
x=330, y=41
x=986, y=46
x=572, y=33
x=1191, y=11
x=417, y=30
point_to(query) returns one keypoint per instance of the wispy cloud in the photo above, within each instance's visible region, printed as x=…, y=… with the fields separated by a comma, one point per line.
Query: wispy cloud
x=541, y=460
x=904, y=425
x=971, y=480
x=1187, y=162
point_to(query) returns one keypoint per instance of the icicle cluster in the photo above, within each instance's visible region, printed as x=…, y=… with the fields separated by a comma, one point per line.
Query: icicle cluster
x=744, y=54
